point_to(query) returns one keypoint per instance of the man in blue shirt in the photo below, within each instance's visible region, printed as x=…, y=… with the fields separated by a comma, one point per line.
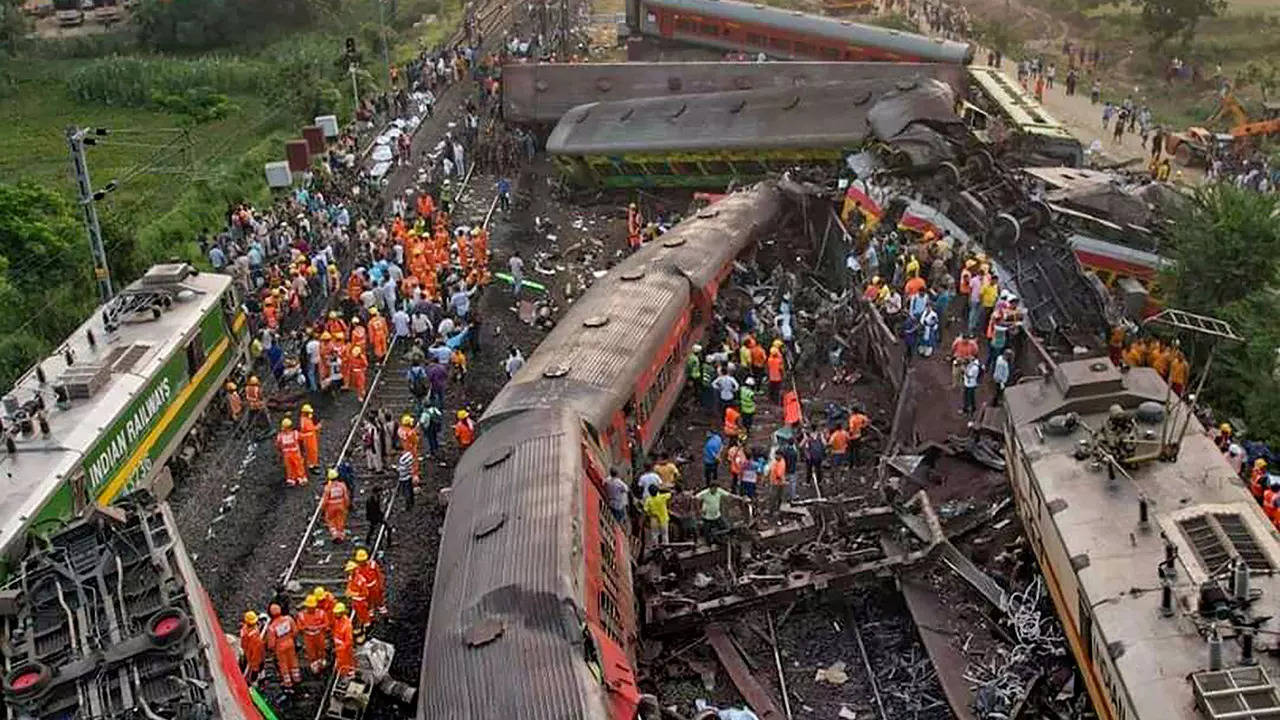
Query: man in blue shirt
x=217, y=258
x=504, y=194
x=711, y=456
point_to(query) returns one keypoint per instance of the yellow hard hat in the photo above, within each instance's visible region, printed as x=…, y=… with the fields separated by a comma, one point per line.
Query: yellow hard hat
x=325, y=336
x=231, y=387
x=776, y=343
x=462, y=414
x=1260, y=462
x=251, y=618
x=632, y=205
x=373, y=312
x=406, y=420
x=332, y=475
x=253, y=379
x=350, y=566
x=333, y=314
x=309, y=601
x=357, y=351
x=355, y=319
x=340, y=335
x=876, y=280
x=318, y=591
x=306, y=409
x=475, y=231
x=361, y=555
x=1225, y=427
x=340, y=609
x=286, y=423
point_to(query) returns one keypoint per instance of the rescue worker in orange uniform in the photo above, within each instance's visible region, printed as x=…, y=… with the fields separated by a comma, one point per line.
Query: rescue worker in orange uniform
x=1269, y=499
x=775, y=364
x=336, y=502
x=358, y=595
x=359, y=336
x=374, y=579
x=378, y=333
x=309, y=435
x=634, y=224
x=480, y=244
x=408, y=435
x=270, y=311
x=359, y=368
x=858, y=422
x=343, y=351
x=758, y=359
x=253, y=646
x=235, y=405
x=464, y=430
x=335, y=324
x=289, y=445
x=1258, y=479
x=355, y=286
x=326, y=351
x=344, y=642
x=324, y=601
x=281, y=633
x=314, y=625
x=464, y=250
x=253, y=399
x=1179, y=372
x=732, y=422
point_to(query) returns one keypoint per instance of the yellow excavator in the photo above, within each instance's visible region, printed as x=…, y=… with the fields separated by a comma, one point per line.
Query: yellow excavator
x=1192, y=146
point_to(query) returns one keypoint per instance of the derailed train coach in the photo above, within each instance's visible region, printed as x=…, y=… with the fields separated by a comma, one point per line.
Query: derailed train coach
x=533, y=612
x=105, y=412
x=108, y=620
x=785, y=34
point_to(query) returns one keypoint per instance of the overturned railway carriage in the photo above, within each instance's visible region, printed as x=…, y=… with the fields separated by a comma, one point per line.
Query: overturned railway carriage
x=541, y=93
x=785, y=34
x=532, y=612
x=108, y=620
x=1164, y=573
x=105, y=412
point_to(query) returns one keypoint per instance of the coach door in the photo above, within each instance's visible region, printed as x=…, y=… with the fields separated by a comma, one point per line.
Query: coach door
x=79, y=487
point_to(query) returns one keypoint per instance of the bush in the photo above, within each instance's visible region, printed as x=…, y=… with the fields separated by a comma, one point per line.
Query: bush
x=136, y=81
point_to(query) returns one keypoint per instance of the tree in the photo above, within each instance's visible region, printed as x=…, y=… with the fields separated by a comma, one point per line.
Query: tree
x=1169, y=19
x=13, y=26
x=1226, y=251
x=1265, y=74
x=41, y=238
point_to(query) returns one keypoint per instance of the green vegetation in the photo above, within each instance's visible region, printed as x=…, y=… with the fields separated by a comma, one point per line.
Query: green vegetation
x=222, y=84
x=1227, y=248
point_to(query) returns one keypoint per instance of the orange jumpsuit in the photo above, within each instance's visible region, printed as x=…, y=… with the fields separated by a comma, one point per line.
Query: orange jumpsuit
x=481, y=244
x=464, y=431
x=464, y=251
x=378, y=336
x=254, y=650
x=314, y=623
x=309, y=434
x=375, y=581
x=288, y=444
x=359, y=369
x=344, y=657
x=355, y=286
x=234, y=404
x=1257, y=482
x=358, y=594
x=360, y=337
x=280, y=639
x=337, y=501
x=409, y=441
x=335, y=326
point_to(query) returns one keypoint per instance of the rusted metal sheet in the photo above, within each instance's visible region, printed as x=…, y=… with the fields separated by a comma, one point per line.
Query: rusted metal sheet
x=928, y=615
x=731, y=660
x=542, y=93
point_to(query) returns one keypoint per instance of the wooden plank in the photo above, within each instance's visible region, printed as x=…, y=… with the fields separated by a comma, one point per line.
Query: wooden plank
x=759, y=699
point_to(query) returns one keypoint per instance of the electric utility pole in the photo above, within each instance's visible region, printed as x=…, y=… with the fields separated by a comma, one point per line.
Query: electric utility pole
x=76, y=138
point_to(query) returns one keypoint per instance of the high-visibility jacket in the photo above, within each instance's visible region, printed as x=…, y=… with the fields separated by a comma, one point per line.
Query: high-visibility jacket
x=336, y=497
x=375, y=581
x=344, y=659
x=287, y=441
x=775, y=367
x=857, y=423
x=731, y=419
x=747, y=400
x=1269, y=503
x=693, y=367
x=253, y=396
x=408, y=439
x=464, y=431
x=253, y=645
x=234, y=404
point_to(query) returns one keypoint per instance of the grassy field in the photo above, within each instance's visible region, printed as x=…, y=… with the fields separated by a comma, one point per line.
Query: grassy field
x=37, y=109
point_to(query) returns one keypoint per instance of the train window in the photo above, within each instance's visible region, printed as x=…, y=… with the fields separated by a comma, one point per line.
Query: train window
x=804, y=49
x=708, y=29
x=779, y=43
x=1086, y=626
x=830, y=53
x=685, y=25
x=195, y=355
x=715, y=167
x=754, y=39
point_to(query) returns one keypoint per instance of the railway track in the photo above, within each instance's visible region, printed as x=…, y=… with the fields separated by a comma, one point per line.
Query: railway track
x=318, y=561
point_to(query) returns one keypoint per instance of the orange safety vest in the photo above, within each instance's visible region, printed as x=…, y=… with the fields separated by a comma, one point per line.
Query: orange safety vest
x=253, y=395
x=731, y=417
x=775, y=367
x=287, y=441
x=336, y=496
x=233, y=400
x=408, y=438
x=307, y=428
x=253, y=645
x=857, y=422
x=465, y=433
